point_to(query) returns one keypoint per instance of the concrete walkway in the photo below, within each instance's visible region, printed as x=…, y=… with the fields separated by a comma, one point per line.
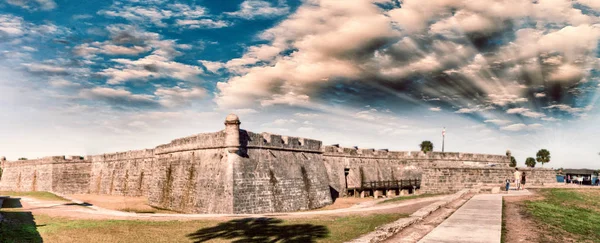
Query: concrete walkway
x=478, y=221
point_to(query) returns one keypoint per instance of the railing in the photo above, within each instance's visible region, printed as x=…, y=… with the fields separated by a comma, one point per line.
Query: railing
x=395, y=184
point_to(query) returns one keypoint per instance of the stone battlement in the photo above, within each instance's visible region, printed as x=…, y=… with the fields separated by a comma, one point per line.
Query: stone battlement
x=132, y=154
x=338, y=151
x=273, y=141
x=195, y=142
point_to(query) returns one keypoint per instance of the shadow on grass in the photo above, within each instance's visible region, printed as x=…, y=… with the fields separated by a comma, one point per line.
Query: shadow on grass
x=18, y=227
x=261, y=230
x=12, y=203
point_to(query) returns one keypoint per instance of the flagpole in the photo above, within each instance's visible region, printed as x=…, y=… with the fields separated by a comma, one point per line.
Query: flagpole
x=443, y=138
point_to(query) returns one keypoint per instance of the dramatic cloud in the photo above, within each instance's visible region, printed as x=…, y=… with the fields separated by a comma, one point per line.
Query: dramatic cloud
x=471, y=56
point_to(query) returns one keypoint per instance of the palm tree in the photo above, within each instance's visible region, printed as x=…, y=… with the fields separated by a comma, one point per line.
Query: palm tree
x=513, y=162
x=426, y=146
x=543, y=156
x=530, y=162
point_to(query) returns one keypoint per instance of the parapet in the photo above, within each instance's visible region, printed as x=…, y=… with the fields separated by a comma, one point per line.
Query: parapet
x=195, y=142
x=132, y=154
x=337, y=151
x=273, y=141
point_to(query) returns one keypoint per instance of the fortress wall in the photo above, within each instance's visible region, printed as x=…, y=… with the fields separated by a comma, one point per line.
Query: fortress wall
x=452, y=179
x=27, y=175
x=71, y=176
x=383, y=165
x=279, y=174
x=193, y=175
x=124, y=173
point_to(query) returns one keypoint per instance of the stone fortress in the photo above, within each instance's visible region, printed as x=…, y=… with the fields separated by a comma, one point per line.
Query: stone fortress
x=235, y=171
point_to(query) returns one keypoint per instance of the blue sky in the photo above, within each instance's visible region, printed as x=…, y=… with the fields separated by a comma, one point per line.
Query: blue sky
x=91, y=77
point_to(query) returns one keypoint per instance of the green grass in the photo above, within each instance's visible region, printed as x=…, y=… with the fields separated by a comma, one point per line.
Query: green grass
x=402, y=198
x=574, y=211
x=330, y=229
x=37, y=195
x=18, y=227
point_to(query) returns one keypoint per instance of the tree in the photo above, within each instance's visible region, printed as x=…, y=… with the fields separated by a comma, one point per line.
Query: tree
x=530, y=162
x=513, y=162
x=426, y=146
x=543, y=156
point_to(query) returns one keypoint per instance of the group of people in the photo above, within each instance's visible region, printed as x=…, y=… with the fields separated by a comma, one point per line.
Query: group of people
x=520, y=179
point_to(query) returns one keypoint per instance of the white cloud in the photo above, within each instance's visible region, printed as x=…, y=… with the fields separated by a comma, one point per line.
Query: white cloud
x=525, y=112
x=150, y=67
x=569, y=109
x=505, y=99
x=34, y=5
x=251, y=9
x=202, y=23
x=212, y=67
x=522, y=127
x=498, y=122
x=435, y=109
x=540, y=95
x=177, y=96
x=118, y=97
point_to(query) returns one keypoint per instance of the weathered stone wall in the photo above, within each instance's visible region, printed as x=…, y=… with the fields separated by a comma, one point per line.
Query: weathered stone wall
x=27, y=175
x=275, y=173
x=193, y=175
x=125, y=173
x=53, y=174
x=383, y=165
x=453, y=179
x=71, y=176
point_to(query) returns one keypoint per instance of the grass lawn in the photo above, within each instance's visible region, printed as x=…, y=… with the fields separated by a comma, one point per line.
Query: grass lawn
x=321, y=229
x=576, y=211
x=38, y=195
x=402, y=198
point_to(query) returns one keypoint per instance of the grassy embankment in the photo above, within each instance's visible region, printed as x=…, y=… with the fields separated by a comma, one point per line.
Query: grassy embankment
x=27, y=228
x=47, y=196
x=576, y=212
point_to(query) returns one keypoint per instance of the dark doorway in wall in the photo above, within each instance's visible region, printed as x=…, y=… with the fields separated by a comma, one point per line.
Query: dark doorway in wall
x=334, y=194
x=346, y=172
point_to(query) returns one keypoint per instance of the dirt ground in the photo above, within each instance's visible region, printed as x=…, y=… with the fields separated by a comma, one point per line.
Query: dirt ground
x=521, y=227
x=120, y=203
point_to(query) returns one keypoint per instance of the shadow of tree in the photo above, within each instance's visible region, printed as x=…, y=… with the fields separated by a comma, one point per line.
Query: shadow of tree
x=18, y=227
x=261, y=230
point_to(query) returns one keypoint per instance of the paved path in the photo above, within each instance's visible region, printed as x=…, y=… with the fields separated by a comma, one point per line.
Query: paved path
x=478, y=221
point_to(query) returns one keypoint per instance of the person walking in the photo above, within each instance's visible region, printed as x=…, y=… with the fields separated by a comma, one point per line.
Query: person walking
x=523, y=178
x=517, y=175
x=507, y=184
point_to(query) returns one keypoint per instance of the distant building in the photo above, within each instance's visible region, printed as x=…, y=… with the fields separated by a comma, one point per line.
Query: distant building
x=589, y=176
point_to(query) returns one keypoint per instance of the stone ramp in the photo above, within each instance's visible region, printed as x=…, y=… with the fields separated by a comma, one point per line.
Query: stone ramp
x=478, y=220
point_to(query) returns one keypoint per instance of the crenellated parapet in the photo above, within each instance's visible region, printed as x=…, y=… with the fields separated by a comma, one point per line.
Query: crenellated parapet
x=196, y=142
x=278, y=142
x=120, y=156
x=412, y=156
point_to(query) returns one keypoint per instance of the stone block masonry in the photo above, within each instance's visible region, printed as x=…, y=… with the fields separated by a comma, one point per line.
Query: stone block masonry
x=453, y=179
x=238, y=171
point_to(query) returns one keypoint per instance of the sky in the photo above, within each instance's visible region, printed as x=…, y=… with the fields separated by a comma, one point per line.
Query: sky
x=91, y=77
